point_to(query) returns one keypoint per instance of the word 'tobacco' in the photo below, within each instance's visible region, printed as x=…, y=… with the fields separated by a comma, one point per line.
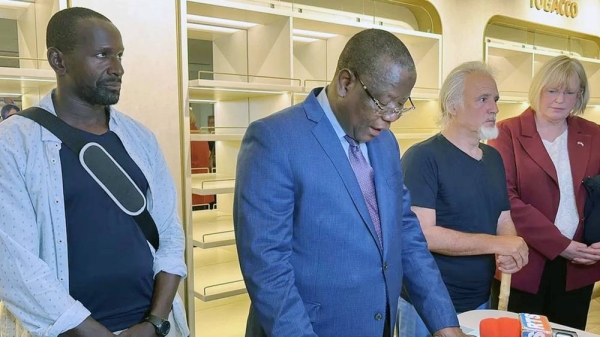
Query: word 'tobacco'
x=566, y=8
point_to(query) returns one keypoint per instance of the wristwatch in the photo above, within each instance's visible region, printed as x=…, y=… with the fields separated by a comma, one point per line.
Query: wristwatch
x=161, y=325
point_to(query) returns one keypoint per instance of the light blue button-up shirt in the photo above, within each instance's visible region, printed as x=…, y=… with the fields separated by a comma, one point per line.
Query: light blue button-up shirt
x=324, y=102
x=34, y=264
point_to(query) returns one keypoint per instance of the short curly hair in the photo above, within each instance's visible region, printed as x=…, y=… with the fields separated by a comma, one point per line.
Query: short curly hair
x=364, y=50
x=62, y=28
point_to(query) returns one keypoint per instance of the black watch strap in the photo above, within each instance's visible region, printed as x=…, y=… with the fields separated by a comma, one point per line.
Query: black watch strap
x=161, y=325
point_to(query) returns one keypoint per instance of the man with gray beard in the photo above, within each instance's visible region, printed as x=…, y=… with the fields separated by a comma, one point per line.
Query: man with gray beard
x=459, y=194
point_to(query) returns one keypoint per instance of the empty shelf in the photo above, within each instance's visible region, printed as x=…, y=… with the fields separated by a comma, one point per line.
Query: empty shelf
x=215, y=137
x=17, y=81
x=212, y=229
x=212, y=183
x=218, y=281
x=216, y=90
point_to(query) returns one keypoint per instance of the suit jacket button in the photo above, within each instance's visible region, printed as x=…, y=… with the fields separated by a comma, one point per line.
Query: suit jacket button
x=385, y=266
x=379, y=316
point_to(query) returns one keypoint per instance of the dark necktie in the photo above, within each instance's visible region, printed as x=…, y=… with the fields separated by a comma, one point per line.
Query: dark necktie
x=364, y=174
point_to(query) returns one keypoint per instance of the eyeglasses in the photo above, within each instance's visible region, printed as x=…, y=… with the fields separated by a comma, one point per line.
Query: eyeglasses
x=384, y=111
x=553, y=93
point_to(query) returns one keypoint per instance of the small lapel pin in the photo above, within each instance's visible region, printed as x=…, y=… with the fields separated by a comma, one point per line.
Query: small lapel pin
x=580, y=143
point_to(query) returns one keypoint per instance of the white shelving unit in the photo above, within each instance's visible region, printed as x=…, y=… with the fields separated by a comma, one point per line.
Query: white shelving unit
x=232, y=90
x=218, y=281
x=219, y=137
x=514, y=67
x=516, y=64
x=217, y=274
x=212, y=228
x=267, y=56
x=20, y=80
x=27, y=77
x=212, y=183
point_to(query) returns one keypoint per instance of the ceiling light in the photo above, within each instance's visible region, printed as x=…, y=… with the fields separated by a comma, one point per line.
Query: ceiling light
x=311, y=33
x=9, y=94
x=208, y=101
x=303, y=39
x=219, y=22
x=15, y=3
x=207, y=28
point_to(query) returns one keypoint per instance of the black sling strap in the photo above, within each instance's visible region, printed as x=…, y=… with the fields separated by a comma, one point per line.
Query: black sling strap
x=103, y=169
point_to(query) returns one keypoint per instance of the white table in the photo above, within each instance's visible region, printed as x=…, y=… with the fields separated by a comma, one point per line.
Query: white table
x=471, y=319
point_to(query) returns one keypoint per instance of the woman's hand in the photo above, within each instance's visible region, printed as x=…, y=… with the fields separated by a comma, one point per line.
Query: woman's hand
x=578, y=252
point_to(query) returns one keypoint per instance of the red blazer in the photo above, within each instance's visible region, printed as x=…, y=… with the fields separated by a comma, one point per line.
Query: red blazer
x=534, y=193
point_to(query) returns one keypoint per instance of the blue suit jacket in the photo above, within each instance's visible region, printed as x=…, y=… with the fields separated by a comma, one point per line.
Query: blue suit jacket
x=306, y=243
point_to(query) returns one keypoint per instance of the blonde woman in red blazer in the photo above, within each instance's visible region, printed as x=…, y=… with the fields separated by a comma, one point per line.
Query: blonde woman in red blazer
x=539, y=148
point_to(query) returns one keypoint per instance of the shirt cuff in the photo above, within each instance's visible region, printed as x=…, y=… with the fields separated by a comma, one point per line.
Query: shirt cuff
x=70, y=319
x=170, y=265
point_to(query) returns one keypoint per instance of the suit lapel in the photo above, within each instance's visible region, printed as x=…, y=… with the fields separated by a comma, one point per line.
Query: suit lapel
x=377, y=155
x=579, y=145
x=327, y=138
x=532, y=144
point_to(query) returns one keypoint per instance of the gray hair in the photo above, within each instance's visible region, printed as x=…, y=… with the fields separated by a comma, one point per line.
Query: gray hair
x=453, y=88
x=556, y=73
x=365, y=50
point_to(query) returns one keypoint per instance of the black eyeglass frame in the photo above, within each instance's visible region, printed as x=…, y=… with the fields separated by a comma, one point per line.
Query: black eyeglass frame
x=387, y=113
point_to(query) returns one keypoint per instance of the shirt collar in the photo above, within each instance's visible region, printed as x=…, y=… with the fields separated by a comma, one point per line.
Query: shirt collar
x=47, y=104
x=324, y=102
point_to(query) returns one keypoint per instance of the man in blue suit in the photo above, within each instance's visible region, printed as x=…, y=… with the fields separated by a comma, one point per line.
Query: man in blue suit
x=325, y=235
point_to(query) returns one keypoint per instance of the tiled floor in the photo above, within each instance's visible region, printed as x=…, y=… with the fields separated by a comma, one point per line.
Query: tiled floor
x=593, y=324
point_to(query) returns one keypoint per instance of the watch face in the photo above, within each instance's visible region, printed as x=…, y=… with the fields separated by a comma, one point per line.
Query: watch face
x=165, y=328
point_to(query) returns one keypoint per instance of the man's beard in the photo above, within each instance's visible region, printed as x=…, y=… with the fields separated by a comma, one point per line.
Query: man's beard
x=101, y=94
x=488, y=132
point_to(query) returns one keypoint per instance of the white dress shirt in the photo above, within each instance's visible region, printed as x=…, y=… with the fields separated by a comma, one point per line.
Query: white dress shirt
x=34, y=265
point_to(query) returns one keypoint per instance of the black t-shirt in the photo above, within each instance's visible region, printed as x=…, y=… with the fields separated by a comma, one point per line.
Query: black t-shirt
x=468, y=195
x=110, y=262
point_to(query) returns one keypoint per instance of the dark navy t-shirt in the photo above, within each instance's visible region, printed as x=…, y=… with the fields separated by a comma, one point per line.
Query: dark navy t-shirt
x=110, y=262
x=468, y=195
